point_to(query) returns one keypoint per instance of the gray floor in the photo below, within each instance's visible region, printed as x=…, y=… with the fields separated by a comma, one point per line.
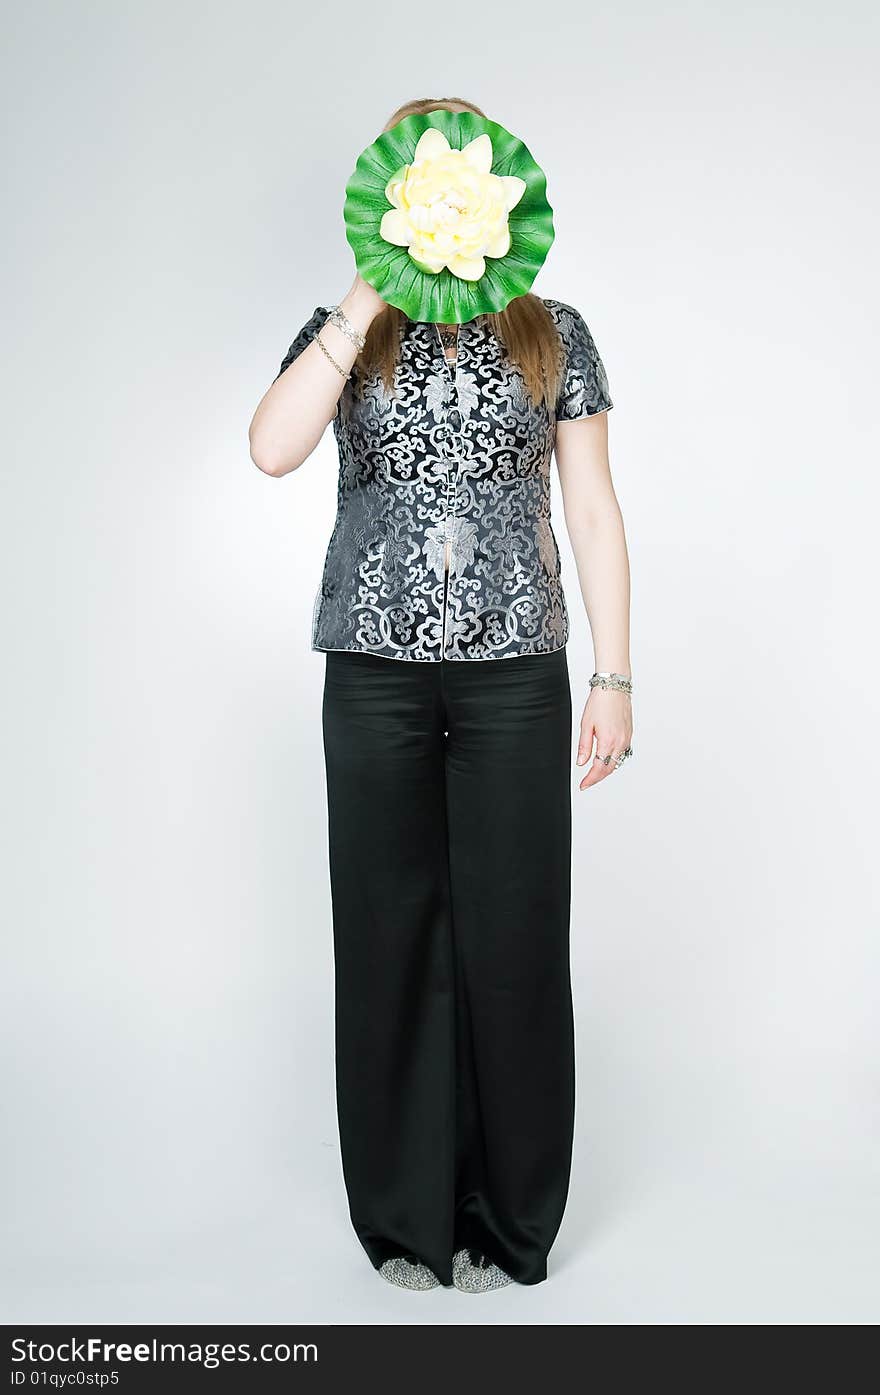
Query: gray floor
x=738, y=1217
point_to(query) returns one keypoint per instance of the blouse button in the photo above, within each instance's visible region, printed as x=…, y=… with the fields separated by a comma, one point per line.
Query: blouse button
x=455, y=419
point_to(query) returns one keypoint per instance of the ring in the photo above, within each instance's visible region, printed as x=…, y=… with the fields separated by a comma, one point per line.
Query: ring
x=618, y=759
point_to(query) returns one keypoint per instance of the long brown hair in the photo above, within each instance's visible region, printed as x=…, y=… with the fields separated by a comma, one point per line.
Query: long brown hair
x=525, y=328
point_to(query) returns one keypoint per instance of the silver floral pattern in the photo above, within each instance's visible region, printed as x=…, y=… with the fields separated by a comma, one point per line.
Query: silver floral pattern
x=454, y=456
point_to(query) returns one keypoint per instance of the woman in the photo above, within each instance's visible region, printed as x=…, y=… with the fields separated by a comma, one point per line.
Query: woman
x=447, y=738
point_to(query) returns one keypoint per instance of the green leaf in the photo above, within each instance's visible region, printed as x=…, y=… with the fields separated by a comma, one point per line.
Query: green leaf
x=443, y=297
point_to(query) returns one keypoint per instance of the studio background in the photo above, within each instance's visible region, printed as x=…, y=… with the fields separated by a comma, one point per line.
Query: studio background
x=176, y=181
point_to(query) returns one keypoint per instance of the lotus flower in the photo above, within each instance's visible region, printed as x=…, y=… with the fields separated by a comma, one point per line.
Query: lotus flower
x=447, y=215
x=450, y=210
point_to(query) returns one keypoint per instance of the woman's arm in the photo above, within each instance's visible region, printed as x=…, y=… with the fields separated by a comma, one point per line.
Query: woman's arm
x=595, y=526
x=295, y=411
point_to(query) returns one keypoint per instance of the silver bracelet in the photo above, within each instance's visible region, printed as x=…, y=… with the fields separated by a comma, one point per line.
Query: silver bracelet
x=328, y=354
x=618, y=682
x=339, y=318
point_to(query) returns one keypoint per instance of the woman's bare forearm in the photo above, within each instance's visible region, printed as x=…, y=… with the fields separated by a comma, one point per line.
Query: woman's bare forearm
x=598, y=542
x=296, y=410
x=595, y=527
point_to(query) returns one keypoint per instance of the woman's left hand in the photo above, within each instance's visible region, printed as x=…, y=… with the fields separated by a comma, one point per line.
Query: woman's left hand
x=608, y=718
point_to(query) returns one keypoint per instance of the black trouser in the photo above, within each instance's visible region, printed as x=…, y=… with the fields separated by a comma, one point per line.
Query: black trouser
x=449, y=802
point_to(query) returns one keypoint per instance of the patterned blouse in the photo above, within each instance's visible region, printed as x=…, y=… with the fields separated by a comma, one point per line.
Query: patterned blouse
x=457, y=454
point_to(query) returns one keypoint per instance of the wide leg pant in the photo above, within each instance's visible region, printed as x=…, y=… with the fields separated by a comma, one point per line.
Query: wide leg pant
x=449, y=810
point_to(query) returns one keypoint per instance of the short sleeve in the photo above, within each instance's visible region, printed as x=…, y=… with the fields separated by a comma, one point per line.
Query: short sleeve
x=304, y=337
x=583, y=389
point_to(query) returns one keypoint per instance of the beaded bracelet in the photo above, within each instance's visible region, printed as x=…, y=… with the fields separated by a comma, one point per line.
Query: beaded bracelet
x=618, y=682
x=328, y=354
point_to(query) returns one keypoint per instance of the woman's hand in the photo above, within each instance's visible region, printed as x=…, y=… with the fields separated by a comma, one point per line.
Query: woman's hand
x=363, y=301
x=608, y=718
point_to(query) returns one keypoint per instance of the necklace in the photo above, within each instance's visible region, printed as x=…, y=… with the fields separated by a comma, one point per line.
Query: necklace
x=448, y=336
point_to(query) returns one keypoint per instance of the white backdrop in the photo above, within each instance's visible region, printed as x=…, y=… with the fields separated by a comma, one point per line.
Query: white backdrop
x=177, y=177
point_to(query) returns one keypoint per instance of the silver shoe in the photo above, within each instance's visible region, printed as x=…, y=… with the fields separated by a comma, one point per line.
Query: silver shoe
x=477, y=1277
x=404, y=1274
